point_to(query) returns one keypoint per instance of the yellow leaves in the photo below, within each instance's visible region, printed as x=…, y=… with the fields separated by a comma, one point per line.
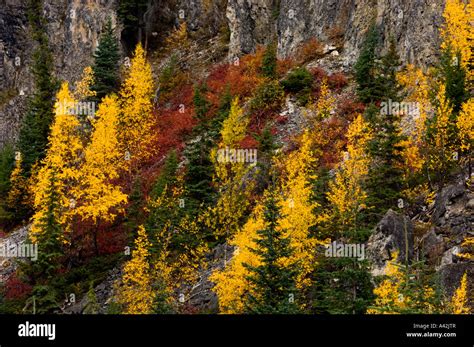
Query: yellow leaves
x=231, y=282
x=63, y=159
x=137, y=120
x=346, y=194
x=392, y=295
x=136, y=293
x=465, y=125
x=442, y=151
x=235, y=125
x=98, y=194
x=178, y=39
x=82, y=90
x=325, y=102
x=459, y=301
x=416, y=85
x=297, y=219
x=457, y=31
x=469, y=244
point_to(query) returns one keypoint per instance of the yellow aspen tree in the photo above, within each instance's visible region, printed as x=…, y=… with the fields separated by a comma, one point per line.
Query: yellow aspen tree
x=297, y=207
x=297, y=210
x=459, y=301
x=136, y=293
x=18, y=197
x=137, y=120
x=82, y=87
x=415, y=84
x=465, y=125
x=64, y=159
x=393, y=297
x=346, y=194
x=178, y=39
x=325, y=102
x=100, y=200
x=231, y=283
x=103, y=161
x=457, y=31
x=224, y=218
x=442, y=152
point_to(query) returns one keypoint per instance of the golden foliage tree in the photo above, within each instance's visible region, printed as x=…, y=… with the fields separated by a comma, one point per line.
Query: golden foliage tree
x=64, y=159
x=459, y=301
x=346, y=194
x=465, y=125
x=225, y=216
x=136, y=124
x=99, y=198
x=394, y=295
x=416, y=85
x=136, y=293
x=82, y=88
x=297, y=209
x=457, y=31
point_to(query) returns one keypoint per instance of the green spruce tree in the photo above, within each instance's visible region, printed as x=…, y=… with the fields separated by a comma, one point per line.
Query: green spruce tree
x=106, y=63
x=35, y=128
x=273, y=284
x=365, y=67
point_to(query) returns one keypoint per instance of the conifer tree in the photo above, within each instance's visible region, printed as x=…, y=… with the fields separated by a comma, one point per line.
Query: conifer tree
x=64, y=158
x=106, y=63
x=269, y=62
x=385, y=179
x=365, y=67
x=273, y=284
x=36, y=123
x=18, y=198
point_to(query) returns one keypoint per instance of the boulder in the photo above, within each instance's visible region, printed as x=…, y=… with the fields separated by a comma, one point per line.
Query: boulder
x=393, y=233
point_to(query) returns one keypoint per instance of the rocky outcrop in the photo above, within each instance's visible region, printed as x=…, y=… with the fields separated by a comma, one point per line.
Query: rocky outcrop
x=9, y=265
x=413, y=24
x=394, y=233
x=73, y=29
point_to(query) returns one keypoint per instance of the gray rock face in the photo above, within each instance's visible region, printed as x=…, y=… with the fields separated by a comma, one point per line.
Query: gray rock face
x=413, y=24
x=8, y=266
x=73, y=30
x=393, y=233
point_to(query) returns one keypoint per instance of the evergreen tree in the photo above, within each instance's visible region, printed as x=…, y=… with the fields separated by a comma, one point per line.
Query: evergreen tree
x=201, y=104
x=167, y=176
x=132, y=12
x=106, y=63
x=7, y=164
x=269, y=62
x=92, y=306
x=385, y=177
x=36, y=123
x=48, y=236
x=365, y=67
x=454, y=77
x=273, y=283
x=387, y=85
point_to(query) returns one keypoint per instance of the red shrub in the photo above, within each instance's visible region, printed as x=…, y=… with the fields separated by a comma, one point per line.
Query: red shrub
x=337, y=81
x=318, y=73
x=16, y=288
